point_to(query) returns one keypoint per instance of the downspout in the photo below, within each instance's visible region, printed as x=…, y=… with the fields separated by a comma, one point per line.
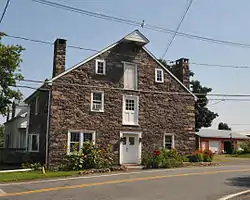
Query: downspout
x=47, y=130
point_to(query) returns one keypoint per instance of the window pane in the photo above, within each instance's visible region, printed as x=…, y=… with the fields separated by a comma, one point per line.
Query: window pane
x=100, y=68
x=97, y=96
x=34, y=143
x=130, y=104
x=159, y=75
x=75, y=137
x=74, y=146
x=131, y=140
x=168, y=141
x=124, y=140
x=87, y=137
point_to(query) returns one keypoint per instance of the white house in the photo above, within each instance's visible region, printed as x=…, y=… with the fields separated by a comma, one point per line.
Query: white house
x=15, y=127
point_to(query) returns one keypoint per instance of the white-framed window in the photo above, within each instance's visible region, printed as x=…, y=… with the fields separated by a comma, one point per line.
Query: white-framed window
x=100, y=67
x=159, y=76
x=130, y=110
x=37, y=105
x=97, y=101
x=33, y=142
x=168, y=141
x=77, y=138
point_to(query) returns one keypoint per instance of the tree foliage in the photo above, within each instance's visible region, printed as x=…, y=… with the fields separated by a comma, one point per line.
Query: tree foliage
x=203, y=116
x=224, y=126
x=10, y=59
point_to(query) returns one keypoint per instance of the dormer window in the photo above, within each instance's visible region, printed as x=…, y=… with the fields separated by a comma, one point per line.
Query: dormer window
x=159, y=76
x=100, y=67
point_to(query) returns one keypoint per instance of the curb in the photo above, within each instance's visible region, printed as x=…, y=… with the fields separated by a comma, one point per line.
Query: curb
x=231, y=196
x=15, y=170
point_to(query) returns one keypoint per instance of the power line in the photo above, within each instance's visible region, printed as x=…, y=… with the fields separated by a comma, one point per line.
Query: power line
x=139, y=24
x=217, y=102
x=94, y=50
x=177, y=29
x=4, y=11
x=184, y=93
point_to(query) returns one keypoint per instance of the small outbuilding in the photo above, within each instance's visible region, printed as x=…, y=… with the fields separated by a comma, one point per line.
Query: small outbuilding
x=219, y=141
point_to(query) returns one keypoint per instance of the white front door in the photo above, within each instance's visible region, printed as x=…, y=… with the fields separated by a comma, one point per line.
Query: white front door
x=130, y=110
x=130, y=76
x=130, y=149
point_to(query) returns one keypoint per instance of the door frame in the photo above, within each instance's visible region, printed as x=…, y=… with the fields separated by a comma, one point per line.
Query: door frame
x=139, y=134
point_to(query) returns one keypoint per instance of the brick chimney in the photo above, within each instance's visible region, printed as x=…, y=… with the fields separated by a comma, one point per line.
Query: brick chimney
x=59, y=57
x=182, y=71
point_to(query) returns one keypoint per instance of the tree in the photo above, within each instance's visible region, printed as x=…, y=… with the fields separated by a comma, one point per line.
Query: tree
x=203, y=116
x=224, y=126
x=1, y=136
x=10, y=59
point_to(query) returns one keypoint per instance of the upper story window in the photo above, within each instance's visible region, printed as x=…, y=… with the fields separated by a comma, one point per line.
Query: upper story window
x=159, y=76
x=97, y=101
x=100, y=67
x=37, y=105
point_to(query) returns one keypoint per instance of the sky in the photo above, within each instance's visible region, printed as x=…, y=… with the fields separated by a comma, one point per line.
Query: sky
x=224, y=20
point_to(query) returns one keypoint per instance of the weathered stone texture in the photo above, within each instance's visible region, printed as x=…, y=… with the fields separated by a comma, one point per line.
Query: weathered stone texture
x=159, y=112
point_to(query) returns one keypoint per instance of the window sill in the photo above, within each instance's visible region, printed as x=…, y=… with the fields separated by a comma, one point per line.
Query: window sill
x=159, y=81
x=98, y=111
x=100, y=74
x=130, y=124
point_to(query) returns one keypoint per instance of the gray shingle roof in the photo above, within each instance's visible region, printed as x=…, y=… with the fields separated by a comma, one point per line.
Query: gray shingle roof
x=213, y=133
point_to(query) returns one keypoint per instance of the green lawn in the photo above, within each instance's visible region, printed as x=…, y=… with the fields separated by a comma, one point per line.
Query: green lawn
x=245, y=155
x=21, y=176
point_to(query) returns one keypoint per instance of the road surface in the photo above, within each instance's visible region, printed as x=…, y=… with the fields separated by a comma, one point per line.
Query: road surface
x=206, y=183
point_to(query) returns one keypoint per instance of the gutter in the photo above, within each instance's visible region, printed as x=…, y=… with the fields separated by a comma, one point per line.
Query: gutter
x=47, y=130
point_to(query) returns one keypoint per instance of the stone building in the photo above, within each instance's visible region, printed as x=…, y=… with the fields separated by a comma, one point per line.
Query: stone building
x=121, y=95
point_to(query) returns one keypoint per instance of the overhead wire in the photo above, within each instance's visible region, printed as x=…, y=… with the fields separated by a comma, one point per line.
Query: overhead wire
x=177, y=28
x=139, y=24
x=94, y=50
x=4, y=10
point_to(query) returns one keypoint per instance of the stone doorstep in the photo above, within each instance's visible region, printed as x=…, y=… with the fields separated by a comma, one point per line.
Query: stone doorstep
x=132, y=166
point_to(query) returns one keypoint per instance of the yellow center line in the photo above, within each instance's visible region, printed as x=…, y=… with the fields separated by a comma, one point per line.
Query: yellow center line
x=118, y=181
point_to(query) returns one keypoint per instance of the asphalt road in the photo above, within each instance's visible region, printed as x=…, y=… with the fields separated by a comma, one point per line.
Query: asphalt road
x=206, y=183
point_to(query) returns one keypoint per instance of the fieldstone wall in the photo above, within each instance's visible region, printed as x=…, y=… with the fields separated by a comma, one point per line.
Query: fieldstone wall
x=163, y=107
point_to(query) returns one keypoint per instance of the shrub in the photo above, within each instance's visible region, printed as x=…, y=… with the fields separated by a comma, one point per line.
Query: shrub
x=196, y=156
x=161, y=159
x=245, y=146
x=89, y=157
x=185, y=158
x=34, y=166
x=208, y=156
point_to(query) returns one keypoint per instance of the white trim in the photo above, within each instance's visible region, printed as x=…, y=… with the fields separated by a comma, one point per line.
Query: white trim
x=173, y=138
x=141, y=39
x=30, y=142
x=104, y=66
x=81, y=137
x=162, y=75
x=139, y=146
x=136, y=109
x=152, y=56
x=102, y=103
